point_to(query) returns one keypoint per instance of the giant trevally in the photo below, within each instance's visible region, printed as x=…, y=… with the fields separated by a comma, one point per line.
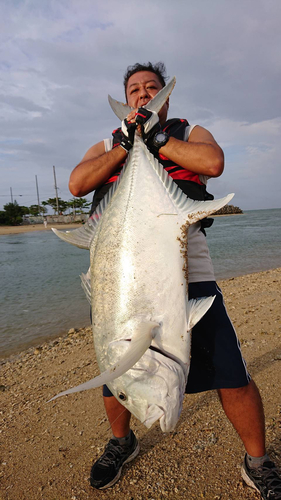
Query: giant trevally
x=138, y=287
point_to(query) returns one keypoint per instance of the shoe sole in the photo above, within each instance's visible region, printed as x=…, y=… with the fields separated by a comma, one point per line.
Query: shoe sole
x=129, y=459
x=248, y=480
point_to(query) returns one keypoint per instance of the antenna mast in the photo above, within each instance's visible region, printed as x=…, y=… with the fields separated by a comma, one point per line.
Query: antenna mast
x=56, y=189
x=39, y=210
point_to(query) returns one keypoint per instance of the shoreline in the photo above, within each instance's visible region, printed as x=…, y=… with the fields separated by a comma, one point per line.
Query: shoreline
x=28, y=228
x=32, y=345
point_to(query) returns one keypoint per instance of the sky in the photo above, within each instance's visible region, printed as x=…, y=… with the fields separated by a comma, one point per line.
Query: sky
x=61, y=58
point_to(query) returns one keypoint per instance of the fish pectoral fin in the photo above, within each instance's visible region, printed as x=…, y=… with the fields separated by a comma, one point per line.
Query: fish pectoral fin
x=91, y=384
x=196, y=308
x=139, y=343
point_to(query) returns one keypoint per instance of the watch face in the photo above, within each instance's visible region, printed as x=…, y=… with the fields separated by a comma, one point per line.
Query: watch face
x=161, y=137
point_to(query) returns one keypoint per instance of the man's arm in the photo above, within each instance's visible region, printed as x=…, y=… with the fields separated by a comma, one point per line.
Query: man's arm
x=96, y=167
x=201, y=154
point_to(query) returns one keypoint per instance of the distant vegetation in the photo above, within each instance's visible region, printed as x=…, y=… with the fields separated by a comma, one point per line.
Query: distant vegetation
x=229, y=210
x=13, y=213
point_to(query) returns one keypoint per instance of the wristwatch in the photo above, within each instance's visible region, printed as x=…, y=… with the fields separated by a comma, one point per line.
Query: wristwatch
x=160, y=139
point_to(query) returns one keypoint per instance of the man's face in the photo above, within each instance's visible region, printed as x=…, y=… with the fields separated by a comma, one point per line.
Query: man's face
x=141, y=88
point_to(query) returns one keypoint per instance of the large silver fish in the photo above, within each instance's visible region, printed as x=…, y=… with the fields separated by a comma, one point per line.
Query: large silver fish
x=142, y=318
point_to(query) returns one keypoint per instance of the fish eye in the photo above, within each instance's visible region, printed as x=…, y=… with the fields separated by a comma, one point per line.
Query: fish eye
x=122, y=396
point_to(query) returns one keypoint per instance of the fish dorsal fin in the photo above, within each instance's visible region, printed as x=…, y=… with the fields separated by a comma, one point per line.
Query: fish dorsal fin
x=86, y=285
x=139, y=343
x=122, y=110
x=83, y=236
x=191, y=210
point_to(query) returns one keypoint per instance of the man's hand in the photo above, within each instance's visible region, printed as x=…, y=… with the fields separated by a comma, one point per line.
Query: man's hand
x=127, y=134
x=149, y=122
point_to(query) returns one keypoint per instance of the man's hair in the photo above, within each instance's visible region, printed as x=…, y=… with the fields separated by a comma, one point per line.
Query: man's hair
x=158, y=69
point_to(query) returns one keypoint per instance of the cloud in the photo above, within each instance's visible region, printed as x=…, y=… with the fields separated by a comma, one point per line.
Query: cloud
x=59, y=65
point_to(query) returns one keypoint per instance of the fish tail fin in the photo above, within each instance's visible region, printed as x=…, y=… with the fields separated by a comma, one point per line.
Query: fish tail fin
x=122, y=110
x=196, y=308
x=139, y=343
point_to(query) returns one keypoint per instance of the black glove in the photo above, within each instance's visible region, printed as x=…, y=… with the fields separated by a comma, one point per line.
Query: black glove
x=149, y=121
x=127, y=134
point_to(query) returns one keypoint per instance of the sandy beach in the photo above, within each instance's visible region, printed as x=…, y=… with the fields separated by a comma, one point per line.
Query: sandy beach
x=48, y=449
x=35, y=227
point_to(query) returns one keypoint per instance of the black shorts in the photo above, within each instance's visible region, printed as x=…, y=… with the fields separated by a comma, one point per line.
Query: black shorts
x=216, y=359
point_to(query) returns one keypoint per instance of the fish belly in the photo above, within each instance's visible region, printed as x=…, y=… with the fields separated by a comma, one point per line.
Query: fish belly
x=137, y=265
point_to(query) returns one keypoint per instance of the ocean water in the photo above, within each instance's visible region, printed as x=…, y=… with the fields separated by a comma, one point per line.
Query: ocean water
x=41, y=296
x=246, y=243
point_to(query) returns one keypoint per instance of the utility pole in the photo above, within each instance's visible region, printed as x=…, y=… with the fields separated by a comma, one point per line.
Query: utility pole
x=56, y=189
x=39, y=210
x=11, y=195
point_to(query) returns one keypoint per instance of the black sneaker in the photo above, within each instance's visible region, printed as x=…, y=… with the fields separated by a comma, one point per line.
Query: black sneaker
x=107, y=469
x=266, y=480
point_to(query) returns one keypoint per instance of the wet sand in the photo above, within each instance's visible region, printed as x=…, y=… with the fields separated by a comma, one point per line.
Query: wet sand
x=48, y=449
x=35, y=227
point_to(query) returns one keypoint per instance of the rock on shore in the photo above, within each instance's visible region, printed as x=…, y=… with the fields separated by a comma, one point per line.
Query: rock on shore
x=229, y=210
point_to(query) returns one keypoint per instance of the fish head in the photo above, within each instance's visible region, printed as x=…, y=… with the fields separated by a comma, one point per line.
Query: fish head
x=153, y=389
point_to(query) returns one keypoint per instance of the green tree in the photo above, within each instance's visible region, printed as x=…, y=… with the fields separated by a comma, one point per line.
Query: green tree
x=52, y=202
x=80, y=205
x=4, y=220
x=34, y=210
x=14, y=213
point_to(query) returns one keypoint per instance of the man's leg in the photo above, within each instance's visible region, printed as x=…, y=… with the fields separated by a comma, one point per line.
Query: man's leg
x=119, y=417
x=244, y=409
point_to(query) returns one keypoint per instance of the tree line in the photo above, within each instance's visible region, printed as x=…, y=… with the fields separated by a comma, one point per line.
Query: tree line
x=13, y=213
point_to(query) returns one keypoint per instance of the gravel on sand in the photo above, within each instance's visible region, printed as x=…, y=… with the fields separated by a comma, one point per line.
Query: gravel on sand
x=48, y=448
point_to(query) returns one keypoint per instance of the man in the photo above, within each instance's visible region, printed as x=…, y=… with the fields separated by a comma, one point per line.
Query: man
x=190, y=155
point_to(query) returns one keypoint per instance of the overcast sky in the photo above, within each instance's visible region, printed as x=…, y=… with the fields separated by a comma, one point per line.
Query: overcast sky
x=61, y=58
